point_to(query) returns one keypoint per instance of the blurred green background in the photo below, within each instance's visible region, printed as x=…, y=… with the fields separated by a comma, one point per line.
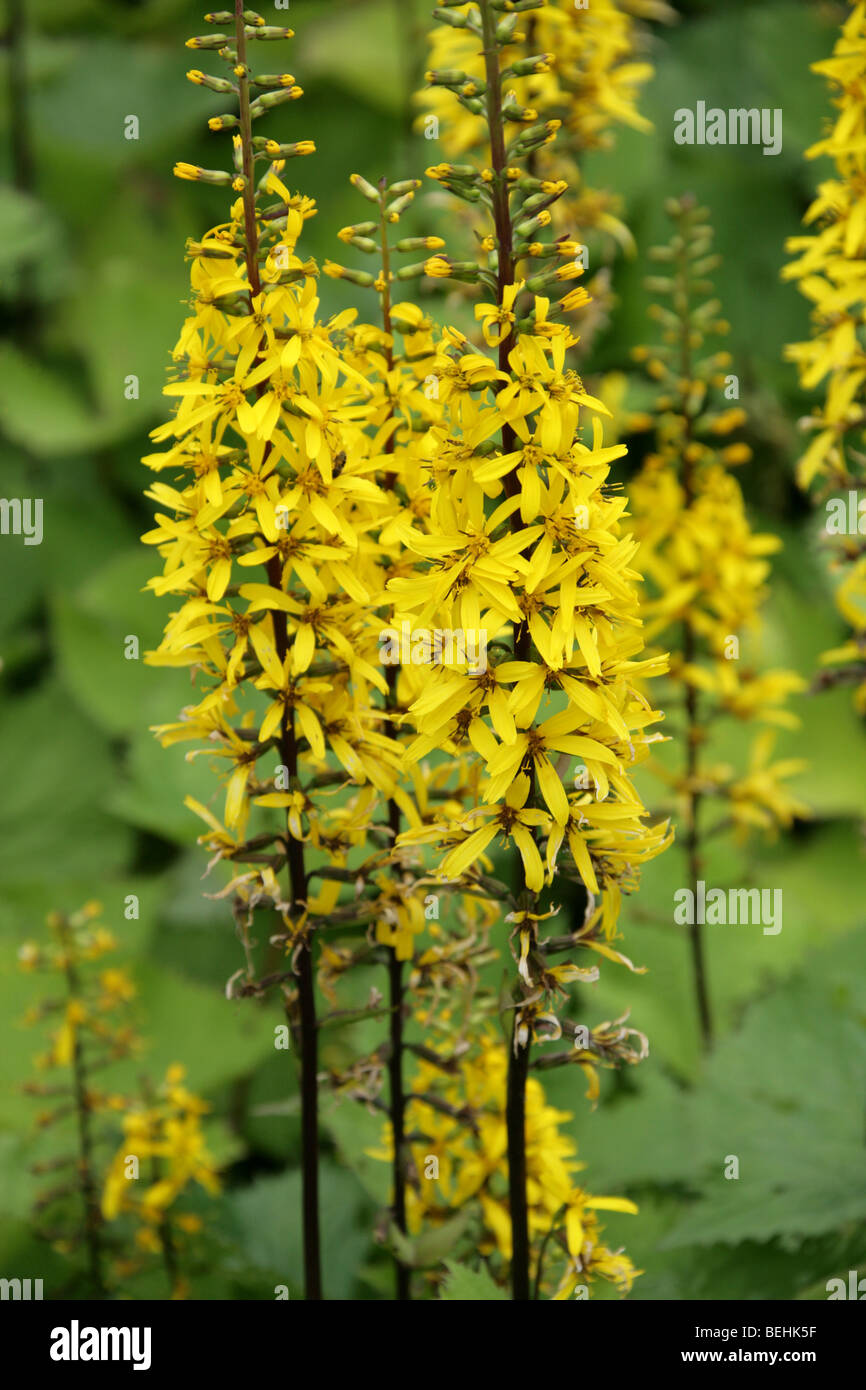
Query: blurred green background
x=92, y=289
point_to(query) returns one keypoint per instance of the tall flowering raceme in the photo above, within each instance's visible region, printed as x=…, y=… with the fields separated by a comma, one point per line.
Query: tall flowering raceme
x=706, y=569
x=88, y=1037
x=577, y=66
x=830, y=270
x=163, y=1131
x=263, y=534
x=93, y=1033
x=524, y=545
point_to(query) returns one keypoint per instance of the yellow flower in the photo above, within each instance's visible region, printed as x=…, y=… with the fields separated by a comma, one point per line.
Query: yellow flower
x=496, y=319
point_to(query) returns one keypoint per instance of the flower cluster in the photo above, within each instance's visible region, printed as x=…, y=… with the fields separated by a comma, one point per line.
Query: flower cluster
x=90, y=1032
x=576, y=66
x=93, y=1033
x=830, y=271
x=341, y=505
x=706, y=569
x=288, y=457
x=163, y=1133
x=525, y=542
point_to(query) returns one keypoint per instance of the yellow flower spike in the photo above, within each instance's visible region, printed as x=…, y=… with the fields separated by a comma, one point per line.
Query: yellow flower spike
x=519, y=508
x=269, y=540
x=706, y=570
x=826, y=267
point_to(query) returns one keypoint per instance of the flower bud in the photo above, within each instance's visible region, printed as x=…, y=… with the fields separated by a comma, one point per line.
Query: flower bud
x=393, y=210
x=342, y=272
x=268, y=100
x=395, y=190
x=363, y=229
x=412, y=272
x=269, y=31
x=456, y=20
x=270, y=81
x=293, y=151
x=198, y=175
x=525, y=67
x=208, y=41
x=420, y=243
x=438, y=268
x=445, y=77
x=369, y=192
x=532, y=224
x=214, y=84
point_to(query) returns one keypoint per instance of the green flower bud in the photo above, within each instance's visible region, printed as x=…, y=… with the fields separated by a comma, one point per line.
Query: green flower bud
x=208, y=41
x=268, y=100
x=525, y=67
x=411, y=272
x=395, y=190
x=369, y=192
x=213, y=84
x=269, y=31
x=446, y=77
x=399, y=205
x=457, y=21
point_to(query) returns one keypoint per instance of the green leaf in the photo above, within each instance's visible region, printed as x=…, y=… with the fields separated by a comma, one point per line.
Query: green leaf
x=267, y=1221
x=42, y=412
x=430, y=1248
x=785, y=1097
x=216, y=1039
x=470, y=1285
x=152, y=793
x=58, y=772
x=354, y=1131
x=125, y=312
x=92, y=632
x=27, y=230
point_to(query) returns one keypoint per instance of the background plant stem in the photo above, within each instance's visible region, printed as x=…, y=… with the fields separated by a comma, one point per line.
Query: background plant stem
x=92, y=1216
x=693, y=796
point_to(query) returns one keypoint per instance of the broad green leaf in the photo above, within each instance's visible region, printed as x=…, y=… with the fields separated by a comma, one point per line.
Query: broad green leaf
x=465, y=1285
